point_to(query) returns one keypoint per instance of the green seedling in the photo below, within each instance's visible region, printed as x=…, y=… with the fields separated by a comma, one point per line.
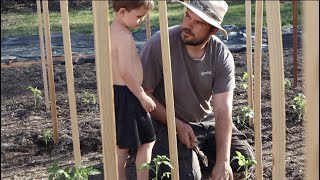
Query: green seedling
x=244, y=85
x=243, y=80
x=89, y=97
x=243, y=162
x=157, y=161
x=36, y=94
x=243, y=115
x=299, y=104
x=287, y=83
x=57, y=173
x=47, y=135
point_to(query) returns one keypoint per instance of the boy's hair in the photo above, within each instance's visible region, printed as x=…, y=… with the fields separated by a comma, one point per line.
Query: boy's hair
x=133, y=4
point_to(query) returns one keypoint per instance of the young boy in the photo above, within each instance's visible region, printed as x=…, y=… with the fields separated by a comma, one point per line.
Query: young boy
x=132, y=105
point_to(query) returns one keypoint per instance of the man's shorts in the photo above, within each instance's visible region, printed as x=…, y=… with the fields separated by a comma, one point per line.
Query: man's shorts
x=133, y=123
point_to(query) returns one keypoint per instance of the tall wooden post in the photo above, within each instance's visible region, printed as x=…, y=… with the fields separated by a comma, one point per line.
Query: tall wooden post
x=43, y=58
x=257, y=88
x=166, y=58
x=70, y=81
x=186, y=1
x=249, y=57
x=311, y=76
x=52, y=90
x=277, y=89
x=105, y=87
x=148, y=28
x=295, y=42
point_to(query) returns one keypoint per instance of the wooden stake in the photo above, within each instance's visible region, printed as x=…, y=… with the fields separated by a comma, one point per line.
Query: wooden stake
x=249, y=57
x=166, y=58
x=50, y=72
x=43, y=58
x=295, y=43
x=105, y=87
x=257, y=89
x=70, y=81
x=311, y=75
x=188, y=2
x=148, y=28
x=277, y=89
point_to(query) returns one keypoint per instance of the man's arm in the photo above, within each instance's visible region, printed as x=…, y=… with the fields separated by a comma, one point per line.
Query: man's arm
x=184, y=131
x=222, y=106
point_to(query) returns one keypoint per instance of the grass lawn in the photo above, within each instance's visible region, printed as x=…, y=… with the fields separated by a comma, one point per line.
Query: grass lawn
x=21, y=24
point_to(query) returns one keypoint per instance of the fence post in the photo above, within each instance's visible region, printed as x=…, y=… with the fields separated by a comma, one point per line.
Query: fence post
x=50, y=72
x=311, y=74
x=105, y=87
x=43, y=58
x=70, y=81
x=257, y=88
x=166, y=58
x=277, y=89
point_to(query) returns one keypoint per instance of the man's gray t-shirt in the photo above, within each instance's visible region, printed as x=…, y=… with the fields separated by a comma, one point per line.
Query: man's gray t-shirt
x=194, y=81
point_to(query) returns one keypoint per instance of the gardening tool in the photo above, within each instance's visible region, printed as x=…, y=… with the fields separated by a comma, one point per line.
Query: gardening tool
x=202, y=157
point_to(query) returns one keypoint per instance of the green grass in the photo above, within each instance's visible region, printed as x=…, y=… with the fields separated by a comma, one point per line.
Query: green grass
x=236, y=14
x=21, y=24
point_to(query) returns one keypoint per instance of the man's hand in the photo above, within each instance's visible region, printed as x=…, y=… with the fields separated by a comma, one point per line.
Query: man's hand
x=222, y=171
x=186, y=134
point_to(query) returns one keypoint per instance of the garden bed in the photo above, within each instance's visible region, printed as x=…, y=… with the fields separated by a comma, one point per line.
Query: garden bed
x=25, y=155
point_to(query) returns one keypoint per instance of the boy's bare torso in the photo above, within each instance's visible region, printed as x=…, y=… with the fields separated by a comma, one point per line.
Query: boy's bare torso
x=133, y=63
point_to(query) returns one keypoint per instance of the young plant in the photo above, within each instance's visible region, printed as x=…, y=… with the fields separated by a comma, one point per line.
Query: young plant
x=243, y=115
x=36, y=94
x=157, y=161
x=57, y=173
x=89, y=97
x=243, y=162
x=47, y=135
x=299, y=104
x=287, y=83
x=243, y=80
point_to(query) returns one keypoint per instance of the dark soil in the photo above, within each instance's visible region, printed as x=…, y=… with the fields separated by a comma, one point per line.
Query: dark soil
x=25, y=155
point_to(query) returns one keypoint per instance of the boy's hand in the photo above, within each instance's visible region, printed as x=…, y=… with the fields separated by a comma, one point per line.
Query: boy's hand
x=147, y=103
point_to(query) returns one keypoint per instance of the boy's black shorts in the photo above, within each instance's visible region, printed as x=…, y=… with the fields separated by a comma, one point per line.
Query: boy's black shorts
x=133, y=123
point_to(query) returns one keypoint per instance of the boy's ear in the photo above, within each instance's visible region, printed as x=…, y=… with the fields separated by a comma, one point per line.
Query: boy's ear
x=122, y=11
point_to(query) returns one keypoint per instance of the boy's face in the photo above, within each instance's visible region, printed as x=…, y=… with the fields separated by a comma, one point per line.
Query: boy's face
x=135, y=17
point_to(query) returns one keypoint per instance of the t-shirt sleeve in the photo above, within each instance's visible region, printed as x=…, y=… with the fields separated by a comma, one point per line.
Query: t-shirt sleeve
x=151, y=60
x=224, y=80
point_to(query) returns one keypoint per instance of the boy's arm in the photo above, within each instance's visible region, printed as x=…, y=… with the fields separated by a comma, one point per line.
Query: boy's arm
x=126, y=53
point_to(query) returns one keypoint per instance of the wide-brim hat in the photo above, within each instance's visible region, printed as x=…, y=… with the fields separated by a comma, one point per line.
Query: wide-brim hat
x=210, y=11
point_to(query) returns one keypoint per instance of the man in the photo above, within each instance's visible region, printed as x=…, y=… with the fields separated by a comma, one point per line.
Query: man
x=202, y=73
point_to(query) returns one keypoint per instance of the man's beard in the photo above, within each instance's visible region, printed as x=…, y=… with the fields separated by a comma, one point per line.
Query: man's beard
x=194, y=42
